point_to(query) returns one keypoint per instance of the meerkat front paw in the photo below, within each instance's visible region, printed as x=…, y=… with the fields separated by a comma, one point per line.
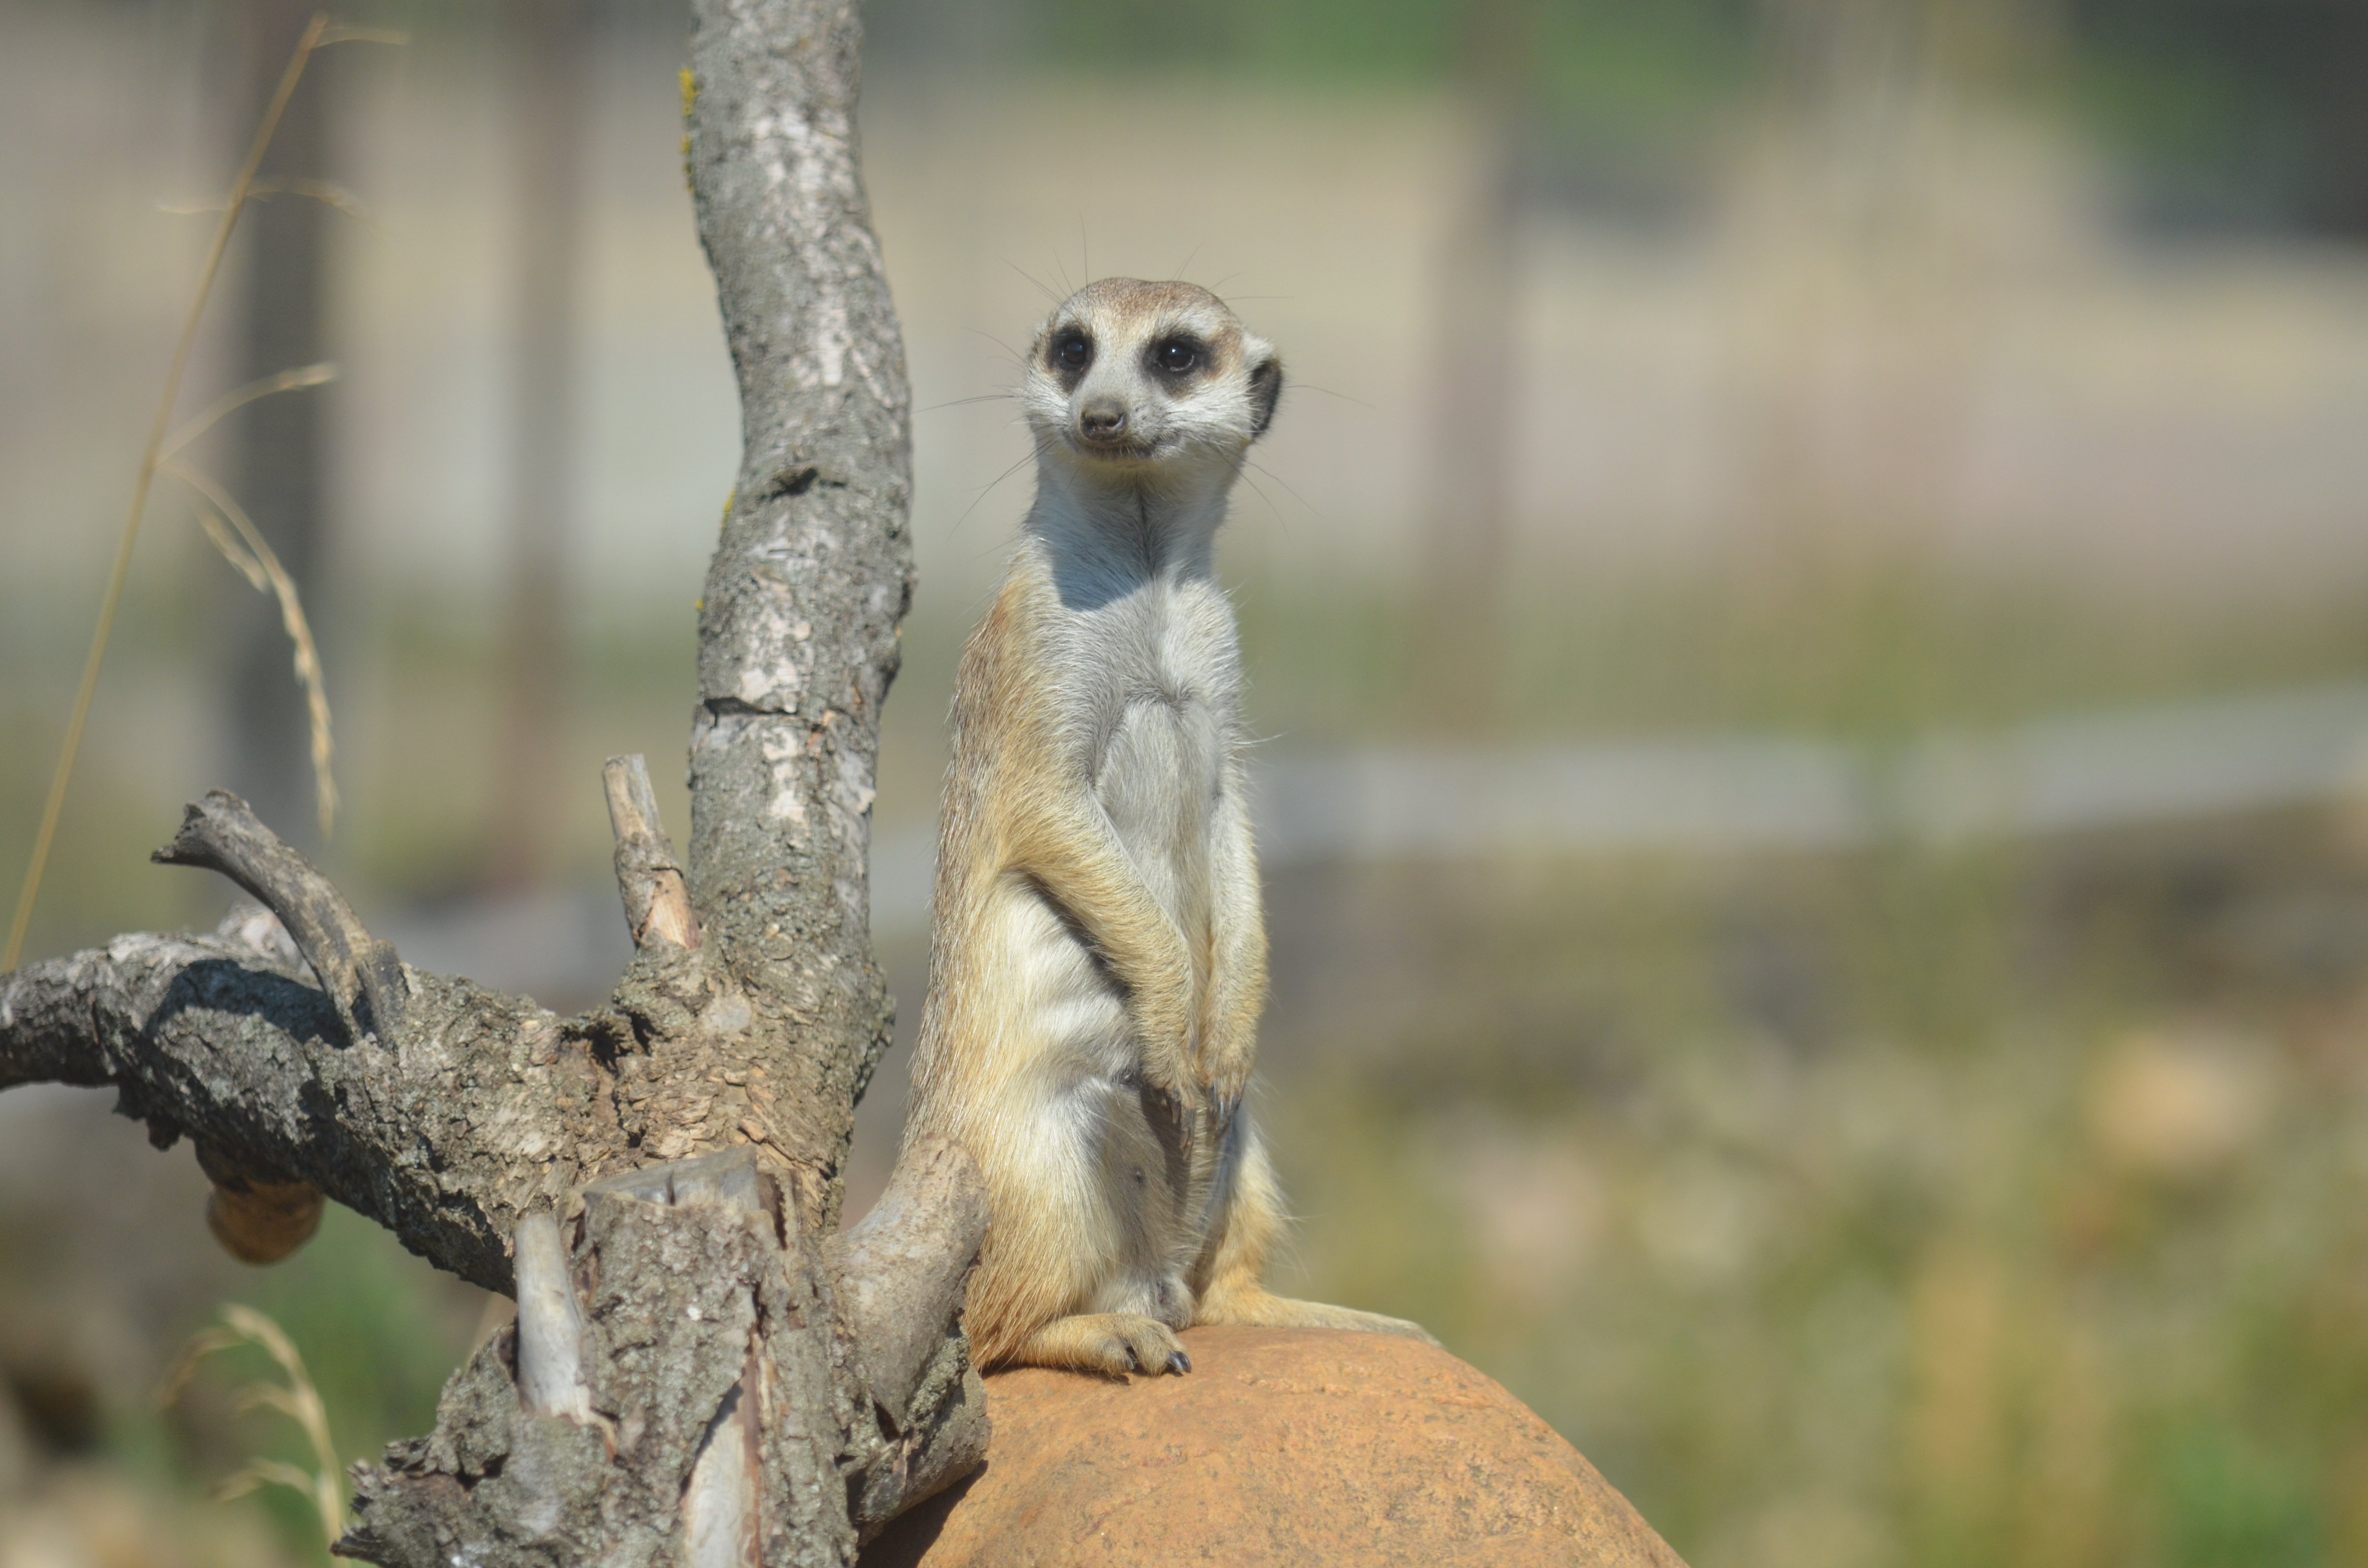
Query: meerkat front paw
x=1113, y=1343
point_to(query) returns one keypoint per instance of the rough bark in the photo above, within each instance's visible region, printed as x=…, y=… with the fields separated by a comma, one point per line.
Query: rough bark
x=697, y=1374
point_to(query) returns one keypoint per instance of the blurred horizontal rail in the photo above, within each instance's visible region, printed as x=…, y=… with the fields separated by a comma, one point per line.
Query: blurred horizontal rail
x=2132, y=767
x=1738, y=793
x=2119, y=770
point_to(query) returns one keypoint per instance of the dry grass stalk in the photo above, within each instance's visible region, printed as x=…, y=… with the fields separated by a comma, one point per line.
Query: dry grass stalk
x=232, y=402
x=297, y=1399
x=253, y=556
x=233, y=551
x=328, y=193
x=317, y=35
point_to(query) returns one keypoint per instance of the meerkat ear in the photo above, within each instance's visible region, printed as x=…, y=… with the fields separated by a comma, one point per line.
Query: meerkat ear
x=1266, y=388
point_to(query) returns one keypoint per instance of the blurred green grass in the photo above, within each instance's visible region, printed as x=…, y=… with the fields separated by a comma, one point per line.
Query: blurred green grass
x=379, y=1331
x=1998, y=1207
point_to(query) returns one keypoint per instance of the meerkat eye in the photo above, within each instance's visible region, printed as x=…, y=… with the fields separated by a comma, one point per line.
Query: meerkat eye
x=1177, y=356
x=1073, y=351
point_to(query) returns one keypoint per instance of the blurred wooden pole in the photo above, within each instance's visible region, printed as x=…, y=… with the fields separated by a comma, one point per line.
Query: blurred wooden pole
x=1467, y=558
x=2346, y=121
x=280, y=469
x=552, y=56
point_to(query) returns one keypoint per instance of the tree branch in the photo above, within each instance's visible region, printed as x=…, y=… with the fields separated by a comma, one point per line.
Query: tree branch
x=903, y=1270
x=895, y=1279
x=813, y=572
x=257, y=1213
x=490, y=1104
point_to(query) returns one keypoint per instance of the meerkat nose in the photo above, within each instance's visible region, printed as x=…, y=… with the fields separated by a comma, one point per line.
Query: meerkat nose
x=1104, y=419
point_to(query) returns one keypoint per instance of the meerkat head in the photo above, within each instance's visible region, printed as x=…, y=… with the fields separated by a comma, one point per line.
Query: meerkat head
x=1133, y=378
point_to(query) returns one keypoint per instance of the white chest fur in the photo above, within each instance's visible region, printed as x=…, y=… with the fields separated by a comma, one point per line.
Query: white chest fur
x=1152, y=696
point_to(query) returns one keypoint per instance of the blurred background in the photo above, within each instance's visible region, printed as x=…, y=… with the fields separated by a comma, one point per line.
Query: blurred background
x=1808, y=603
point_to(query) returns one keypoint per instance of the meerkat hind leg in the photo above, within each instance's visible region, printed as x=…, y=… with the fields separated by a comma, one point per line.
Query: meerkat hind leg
x=1113, y=1344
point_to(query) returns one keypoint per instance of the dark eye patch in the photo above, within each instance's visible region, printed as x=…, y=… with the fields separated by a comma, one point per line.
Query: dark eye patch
x=1178, y=353
x=1069, y=352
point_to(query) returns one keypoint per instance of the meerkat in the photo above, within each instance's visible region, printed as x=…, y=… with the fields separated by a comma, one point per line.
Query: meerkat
x=1098, y=950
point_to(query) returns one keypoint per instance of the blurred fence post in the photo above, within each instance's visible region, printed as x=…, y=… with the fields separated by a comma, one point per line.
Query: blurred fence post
x=280, y=471
x=1476, y=295
x=550, y=48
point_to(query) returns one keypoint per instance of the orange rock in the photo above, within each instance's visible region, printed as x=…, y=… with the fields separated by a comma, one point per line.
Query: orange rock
x=1282, y=1448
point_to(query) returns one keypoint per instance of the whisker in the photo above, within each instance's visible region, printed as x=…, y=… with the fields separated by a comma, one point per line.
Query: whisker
x=1272, y=510
x=1327, y=391
x=964, y=402
x=1312, y=509
x=1038, y=284
x=982, y=332
x=1035, y=451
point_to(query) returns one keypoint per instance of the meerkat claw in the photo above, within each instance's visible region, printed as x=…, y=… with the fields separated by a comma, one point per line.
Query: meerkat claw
x=1172, y=1107
x=1179, y=1362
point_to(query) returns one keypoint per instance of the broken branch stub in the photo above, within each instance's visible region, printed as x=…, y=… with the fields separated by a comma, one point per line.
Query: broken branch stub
x=550, y=1325
x=649, y=877
x=361, y=975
